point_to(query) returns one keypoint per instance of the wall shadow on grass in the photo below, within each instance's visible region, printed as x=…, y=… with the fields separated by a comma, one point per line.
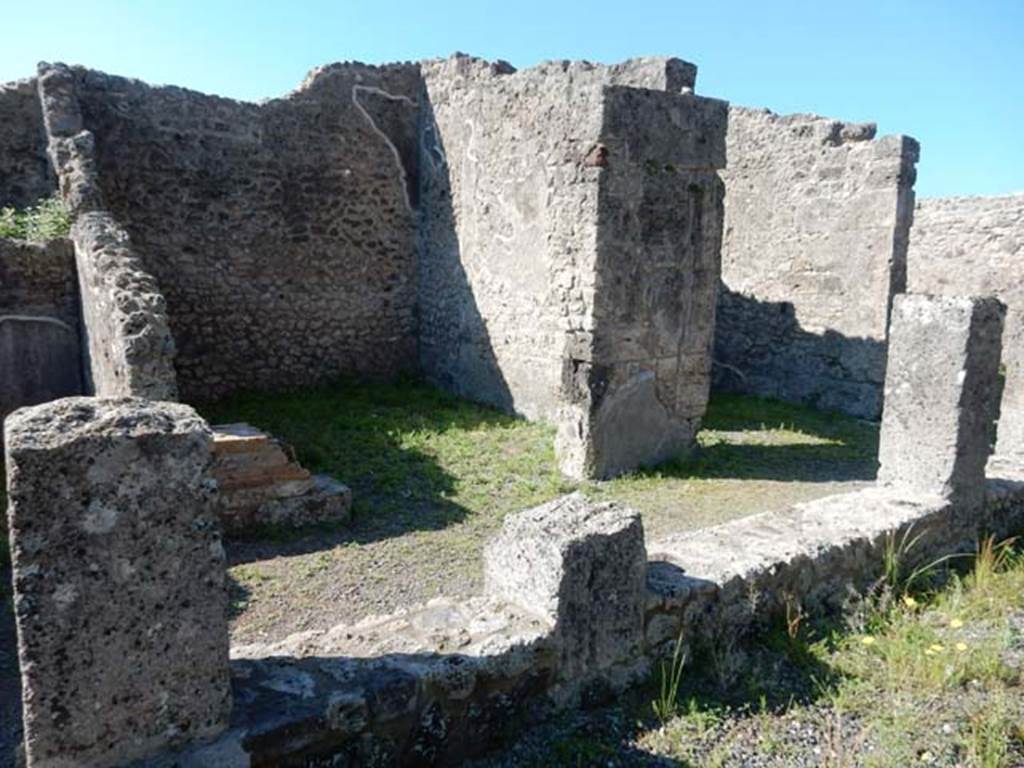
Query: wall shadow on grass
x=369, y=438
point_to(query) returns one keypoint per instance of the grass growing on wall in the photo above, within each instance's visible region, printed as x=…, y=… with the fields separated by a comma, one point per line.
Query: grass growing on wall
x=46, y=220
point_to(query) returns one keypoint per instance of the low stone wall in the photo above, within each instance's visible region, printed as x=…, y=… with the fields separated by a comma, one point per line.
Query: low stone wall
x=437, y=683
x=975, y=245
x=129, y=348
x=25, y=174
x=817, y=216
x=39, y=324
x=575, y=608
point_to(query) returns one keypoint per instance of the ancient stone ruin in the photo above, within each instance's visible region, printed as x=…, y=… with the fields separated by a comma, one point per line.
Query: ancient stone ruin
x=593, y=246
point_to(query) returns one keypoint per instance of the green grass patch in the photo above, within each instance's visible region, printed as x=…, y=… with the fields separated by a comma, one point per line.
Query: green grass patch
x=939, y=681
x=433, y=476
x=46, y=220
x=414, y=456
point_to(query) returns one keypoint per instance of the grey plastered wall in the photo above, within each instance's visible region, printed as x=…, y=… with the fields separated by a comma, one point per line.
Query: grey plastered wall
x=817, y=215
x=638, y=381
x=40, y=355
x=566, y=271
x=509, y=229
x=975, y=246
x=25, y=174
x=281, y=234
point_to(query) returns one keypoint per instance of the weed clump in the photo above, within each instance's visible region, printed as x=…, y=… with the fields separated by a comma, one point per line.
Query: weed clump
x=46, y=220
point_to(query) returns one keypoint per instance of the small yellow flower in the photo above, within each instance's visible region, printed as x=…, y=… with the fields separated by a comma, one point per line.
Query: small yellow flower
x=926, y=757
x=909, y=601
x=867, y=640
x=929, y=652
x=956, y=623
x=961, y=647
x=936, y=648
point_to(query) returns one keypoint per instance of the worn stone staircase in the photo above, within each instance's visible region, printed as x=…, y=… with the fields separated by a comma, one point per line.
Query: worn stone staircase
x=262, y=483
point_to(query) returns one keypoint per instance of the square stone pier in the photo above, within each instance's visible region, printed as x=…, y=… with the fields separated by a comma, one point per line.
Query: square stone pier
x=118, y=580
x=941, y=396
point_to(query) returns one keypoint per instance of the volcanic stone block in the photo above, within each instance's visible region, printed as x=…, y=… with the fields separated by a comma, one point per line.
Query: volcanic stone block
x=118, y=580
x=581, y=566
x=941, y=395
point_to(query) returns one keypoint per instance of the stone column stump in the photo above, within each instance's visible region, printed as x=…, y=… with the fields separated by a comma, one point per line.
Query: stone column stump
x=118, y=580
x=941, y=396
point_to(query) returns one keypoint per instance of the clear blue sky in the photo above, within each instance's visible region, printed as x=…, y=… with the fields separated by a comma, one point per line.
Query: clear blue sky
x=948, y=72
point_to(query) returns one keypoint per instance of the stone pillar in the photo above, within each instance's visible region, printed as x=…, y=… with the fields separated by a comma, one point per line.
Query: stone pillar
x=581, y=566
x=1010, y=439
x=118, y=580
x=941, y=395
x=636, y=382
x=569, y=265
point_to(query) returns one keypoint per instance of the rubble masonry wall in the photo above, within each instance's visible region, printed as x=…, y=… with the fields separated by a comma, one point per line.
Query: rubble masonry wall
x=281, y=234
x=25, y=174
x=127, y=344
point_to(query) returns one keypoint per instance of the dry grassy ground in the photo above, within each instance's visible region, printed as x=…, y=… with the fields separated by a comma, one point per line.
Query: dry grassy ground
x=434, y=476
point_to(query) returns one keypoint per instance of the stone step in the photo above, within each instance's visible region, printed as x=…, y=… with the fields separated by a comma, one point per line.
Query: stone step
x=261, y=482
